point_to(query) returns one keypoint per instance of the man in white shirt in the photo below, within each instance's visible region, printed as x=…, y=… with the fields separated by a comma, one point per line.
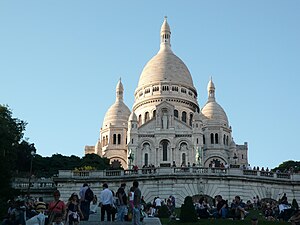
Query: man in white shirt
x=106, y=202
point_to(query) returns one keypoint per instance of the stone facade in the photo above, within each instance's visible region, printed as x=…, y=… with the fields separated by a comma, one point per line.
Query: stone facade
x=191, y=181
x=166, y=125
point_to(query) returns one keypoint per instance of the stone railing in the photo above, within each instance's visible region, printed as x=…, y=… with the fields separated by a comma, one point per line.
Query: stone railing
x=38, y=184
x=176, y=171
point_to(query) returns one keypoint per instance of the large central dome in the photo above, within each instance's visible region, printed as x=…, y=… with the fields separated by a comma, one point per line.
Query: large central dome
x=165, y=65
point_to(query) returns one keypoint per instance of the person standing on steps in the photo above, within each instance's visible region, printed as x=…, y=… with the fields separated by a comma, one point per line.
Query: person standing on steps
x=122, y=202
x=106, y=202
x=136, y=217
x=86, y=196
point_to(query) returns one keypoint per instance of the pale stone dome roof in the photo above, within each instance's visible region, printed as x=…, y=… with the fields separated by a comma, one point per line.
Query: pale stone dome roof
x=132, y=117
x=214, y=112
x=118, y=113
x=165, y=65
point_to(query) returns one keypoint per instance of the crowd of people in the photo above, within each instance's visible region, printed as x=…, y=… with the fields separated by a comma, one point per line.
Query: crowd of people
x=30, y=211
x=271, y=210
x=130, y=205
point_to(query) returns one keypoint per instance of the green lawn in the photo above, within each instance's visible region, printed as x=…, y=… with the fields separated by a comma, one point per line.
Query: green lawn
x=261, y=221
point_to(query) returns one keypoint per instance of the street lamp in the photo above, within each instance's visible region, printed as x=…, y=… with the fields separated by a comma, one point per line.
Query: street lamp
x=30, y=172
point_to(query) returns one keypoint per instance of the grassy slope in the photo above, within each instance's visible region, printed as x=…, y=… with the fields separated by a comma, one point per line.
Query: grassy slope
x=247, y=221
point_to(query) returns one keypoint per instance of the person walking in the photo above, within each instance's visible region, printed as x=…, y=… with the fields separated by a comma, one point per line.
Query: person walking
x=74, y=213
x=122, y=202
x=106, y=202
x=136, y=217
x=86, y=196
x=55, y=207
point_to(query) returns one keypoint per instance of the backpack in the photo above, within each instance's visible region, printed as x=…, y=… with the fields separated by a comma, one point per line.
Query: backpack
x=89, y=195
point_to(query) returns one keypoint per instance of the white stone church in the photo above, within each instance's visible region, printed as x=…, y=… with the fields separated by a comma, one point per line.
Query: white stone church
x=166, y=125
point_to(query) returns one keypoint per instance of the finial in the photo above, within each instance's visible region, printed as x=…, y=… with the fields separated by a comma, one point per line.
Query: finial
x=120, y=79
x=166, y=17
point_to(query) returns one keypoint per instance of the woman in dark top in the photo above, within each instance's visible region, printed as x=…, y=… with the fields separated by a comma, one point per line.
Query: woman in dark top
x=74, y=213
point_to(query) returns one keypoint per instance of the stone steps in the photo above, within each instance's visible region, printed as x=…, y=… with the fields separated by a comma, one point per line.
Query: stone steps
x=94, y=219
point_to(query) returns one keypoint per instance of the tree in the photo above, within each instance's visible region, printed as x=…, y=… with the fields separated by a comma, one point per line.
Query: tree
x=95, y=161
x=290, y=165
x=11, y=133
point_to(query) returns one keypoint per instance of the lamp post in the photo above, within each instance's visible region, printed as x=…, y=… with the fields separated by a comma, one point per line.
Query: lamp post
x=30, y=172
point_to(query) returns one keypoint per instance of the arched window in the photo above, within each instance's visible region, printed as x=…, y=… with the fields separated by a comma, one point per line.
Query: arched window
x=224, y=139
x=216, y=138
x=103, y=141
x=165, y=144
x=227, y=140
x=119, y=139
x=191, y=119
x=140, y=120
x=183, y=117
x=146, y=159
x=203, y=139
x=183, y=146
x=132, y=141
x=176, y=113
x=106, y=141
x=212, y=138
x=154, y=113
x=146, y=116
x=114, y=139
x=197, y=141
x=183, y=161
x=146, y=146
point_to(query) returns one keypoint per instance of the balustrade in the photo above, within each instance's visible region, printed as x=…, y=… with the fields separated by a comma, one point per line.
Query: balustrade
x=176, y=170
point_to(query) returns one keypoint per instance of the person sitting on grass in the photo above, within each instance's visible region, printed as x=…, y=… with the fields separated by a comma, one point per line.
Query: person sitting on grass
x=238, y=208
x=222, y=208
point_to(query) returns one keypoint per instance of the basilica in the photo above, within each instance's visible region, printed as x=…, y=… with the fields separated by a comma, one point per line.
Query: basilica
x=166, y=126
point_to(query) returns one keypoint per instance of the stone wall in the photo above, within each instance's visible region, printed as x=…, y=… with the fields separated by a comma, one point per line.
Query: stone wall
x=181, y=182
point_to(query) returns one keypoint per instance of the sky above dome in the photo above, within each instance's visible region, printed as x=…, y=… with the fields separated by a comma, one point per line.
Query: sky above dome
x=60, y=62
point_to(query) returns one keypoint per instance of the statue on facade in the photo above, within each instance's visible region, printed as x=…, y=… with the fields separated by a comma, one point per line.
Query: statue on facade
x=198, y=156
x=165, y=120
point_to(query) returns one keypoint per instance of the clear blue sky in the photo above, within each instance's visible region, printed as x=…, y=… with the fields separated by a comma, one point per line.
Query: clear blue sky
x=60, y=62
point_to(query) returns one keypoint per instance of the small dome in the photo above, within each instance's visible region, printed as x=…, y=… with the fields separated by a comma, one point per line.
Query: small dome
x=165, y=26
x=132, y=117
x=116, y=115
x=215, y=113
x=210, y=85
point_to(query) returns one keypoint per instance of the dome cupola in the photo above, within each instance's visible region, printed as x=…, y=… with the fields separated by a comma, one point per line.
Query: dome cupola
x=118, y=113
x=165, y=76
x=212, y=111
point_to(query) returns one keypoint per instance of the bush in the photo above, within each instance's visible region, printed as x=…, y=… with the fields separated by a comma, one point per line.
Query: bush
x=163, y=212
x=188, y=212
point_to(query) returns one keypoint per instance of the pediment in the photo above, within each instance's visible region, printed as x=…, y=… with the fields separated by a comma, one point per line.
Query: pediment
x=148, y=126
x=179, y=125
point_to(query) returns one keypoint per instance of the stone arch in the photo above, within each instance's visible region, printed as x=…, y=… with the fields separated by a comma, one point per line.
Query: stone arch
x=217, y=159
x=210, y=199
x=147, y=140
x=123, y=162
x=165, y=145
